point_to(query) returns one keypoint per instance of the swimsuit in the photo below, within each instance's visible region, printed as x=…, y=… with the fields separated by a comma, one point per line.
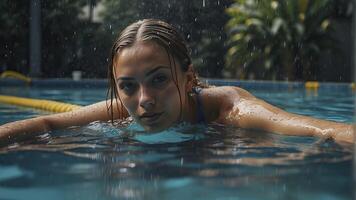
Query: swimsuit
x=200, y=110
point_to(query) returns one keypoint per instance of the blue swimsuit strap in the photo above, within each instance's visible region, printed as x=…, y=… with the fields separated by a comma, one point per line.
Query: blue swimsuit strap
x=200, y=110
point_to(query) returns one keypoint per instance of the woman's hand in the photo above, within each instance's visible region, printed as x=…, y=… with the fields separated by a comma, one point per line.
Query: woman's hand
x=341, y=132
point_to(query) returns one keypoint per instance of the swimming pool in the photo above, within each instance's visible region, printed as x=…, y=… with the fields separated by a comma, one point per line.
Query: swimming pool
x=187, y=162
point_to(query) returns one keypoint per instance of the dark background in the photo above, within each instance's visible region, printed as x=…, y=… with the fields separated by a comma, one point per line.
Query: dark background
x=77, y=35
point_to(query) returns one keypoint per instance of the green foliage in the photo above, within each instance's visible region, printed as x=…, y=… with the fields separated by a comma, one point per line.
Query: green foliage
x=278, y=39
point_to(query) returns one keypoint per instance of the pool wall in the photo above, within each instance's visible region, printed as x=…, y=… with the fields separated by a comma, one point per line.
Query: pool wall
x=103, y=83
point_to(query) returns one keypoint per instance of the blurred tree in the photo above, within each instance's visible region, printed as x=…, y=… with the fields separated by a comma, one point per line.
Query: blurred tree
x=279, y=39
x=62, y=31
x=14, y=35
x=67, y=38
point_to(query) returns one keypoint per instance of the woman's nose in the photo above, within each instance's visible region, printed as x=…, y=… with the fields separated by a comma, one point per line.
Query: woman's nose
x=147, y=100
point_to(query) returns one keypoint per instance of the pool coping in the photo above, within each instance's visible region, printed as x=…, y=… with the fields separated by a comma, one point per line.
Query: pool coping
x=103, y=83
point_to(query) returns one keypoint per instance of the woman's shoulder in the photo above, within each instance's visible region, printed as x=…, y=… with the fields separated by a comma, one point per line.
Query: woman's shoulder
x=219, y=100
x=226, y=92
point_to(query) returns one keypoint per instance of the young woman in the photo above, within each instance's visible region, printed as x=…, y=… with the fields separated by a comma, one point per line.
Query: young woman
x=152, y=80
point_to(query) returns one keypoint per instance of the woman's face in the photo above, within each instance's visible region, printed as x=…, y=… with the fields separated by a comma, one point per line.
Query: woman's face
x=147, y=85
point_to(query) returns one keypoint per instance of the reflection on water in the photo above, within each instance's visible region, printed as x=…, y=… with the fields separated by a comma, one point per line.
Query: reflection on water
x=104, y=161
x=185, y=162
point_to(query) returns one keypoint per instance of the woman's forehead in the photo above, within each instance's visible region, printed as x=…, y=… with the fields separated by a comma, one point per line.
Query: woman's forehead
x=142, y=51
x=139, y=58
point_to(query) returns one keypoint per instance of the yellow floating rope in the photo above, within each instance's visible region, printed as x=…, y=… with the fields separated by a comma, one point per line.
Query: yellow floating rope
x=52, y=106
x=14, y=74
x=311, y=85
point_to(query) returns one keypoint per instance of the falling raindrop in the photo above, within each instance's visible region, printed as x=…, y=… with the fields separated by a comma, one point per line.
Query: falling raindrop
x=203, y=3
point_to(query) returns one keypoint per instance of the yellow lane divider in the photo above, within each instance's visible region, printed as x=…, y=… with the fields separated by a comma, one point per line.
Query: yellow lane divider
x=48, y=105
x=315, y=85
x=311, y=85
x=14, y=74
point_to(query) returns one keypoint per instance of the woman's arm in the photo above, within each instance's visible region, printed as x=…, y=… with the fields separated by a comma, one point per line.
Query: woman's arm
x=24, y=129
x=250, y=112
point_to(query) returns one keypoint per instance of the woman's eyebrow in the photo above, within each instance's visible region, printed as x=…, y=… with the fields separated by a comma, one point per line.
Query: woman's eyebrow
x=156, y=69
x=125, y=78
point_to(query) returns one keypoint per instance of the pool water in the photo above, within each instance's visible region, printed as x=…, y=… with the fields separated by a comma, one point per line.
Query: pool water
x=101, y=161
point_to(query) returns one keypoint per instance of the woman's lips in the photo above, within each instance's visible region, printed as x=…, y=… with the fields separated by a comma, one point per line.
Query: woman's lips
x=150, y=118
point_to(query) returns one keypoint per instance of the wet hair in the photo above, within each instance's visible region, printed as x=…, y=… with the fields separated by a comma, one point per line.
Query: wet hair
x=159, y=32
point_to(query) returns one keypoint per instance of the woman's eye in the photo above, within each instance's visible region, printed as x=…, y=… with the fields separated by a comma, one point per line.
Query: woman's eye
x=127, y=87
x=159, y=79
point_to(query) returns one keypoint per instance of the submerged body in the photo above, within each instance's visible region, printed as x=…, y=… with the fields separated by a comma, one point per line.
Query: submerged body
x=153, y=82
